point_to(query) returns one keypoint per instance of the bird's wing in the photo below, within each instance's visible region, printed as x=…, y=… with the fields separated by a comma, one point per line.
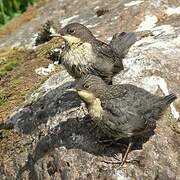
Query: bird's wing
x=121, y=42
x=126, y=116
x=106, y=50
x=137, y=110
x=134, y=107
x=107, y=54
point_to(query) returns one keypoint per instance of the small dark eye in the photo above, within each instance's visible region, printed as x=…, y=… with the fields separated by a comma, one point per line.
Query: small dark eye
x=71, y=31
x=86, y=86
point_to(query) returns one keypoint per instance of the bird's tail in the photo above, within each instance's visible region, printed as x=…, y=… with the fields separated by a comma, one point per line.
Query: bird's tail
x=169, y=99
x=158, y=108
x=121, y=42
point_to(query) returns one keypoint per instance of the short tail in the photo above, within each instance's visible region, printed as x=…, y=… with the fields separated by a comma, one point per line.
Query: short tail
x=121, y=42
x=159, y=107
x=169, y=99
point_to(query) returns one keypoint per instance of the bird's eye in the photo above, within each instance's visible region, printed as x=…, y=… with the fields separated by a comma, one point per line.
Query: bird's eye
x=71, y=31
x=86, y=86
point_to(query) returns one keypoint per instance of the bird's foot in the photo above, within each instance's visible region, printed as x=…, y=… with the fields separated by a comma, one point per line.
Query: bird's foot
x=120, y=162
x=124, y=157
x=117, y=161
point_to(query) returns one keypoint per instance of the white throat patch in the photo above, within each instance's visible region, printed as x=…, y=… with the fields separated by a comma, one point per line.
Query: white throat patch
x=94, y=104
x=95, y=109
x=79, y=53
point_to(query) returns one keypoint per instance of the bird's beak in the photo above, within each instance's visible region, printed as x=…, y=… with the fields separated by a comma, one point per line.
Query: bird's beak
x=71, y=39
x=68, y=38
x=55, y=35
x=71, y=90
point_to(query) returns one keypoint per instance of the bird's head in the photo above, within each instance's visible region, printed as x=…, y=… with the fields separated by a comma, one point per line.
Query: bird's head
x=90, y=87
x=76, y=33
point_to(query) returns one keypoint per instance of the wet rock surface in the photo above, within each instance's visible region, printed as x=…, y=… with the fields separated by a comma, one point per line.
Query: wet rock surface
x=52, y=138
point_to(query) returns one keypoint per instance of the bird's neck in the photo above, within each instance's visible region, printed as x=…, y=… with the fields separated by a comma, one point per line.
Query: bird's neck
x=81, y=53
x=95, y=108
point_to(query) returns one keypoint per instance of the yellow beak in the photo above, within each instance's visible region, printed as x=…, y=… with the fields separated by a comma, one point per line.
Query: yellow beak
x=71, y=39
x=55, y=35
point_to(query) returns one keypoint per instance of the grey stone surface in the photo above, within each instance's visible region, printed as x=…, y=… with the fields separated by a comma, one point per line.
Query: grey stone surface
x=59, y=140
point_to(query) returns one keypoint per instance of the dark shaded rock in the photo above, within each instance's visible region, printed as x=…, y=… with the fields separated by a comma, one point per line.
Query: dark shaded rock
x=101, y=12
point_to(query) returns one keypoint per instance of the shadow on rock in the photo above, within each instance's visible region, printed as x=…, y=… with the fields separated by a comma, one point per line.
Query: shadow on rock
x=37, y=112
x=76, y=134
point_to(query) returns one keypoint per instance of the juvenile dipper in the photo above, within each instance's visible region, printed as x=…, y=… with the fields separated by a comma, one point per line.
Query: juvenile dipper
x=84, y=54
x=121, y=111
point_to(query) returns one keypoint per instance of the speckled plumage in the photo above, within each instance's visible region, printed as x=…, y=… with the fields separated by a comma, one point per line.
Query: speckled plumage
x=84, y=54
x=121, y=111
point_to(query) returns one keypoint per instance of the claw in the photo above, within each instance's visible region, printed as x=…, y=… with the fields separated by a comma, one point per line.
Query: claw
x=124, y=158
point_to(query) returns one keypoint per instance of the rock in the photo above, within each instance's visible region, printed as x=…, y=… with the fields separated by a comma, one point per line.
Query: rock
x=52, y=138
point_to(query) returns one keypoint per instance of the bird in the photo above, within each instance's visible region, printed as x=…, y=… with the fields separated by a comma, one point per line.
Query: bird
x=121, y=110
x=84, y=54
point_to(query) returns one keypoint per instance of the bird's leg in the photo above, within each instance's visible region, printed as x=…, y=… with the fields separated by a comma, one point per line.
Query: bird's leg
x=124, y=157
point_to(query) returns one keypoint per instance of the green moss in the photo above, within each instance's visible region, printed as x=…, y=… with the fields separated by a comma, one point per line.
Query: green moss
x=10, y=66
x=15, y=82
x=2, y=73
x=7, y=67
x=3, y=98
